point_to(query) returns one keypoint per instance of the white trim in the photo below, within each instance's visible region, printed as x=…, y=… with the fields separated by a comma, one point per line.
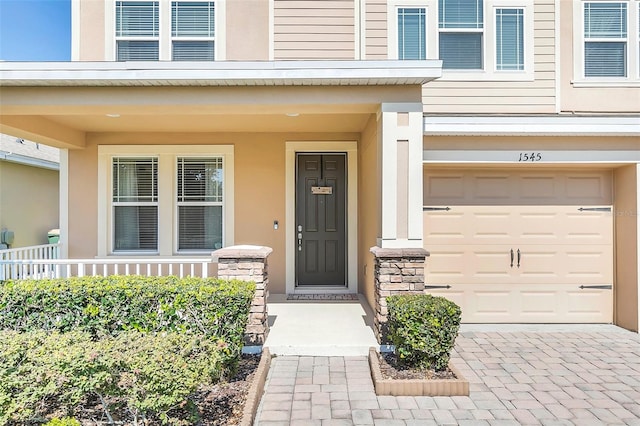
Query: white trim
x=431, y=21
x=220, y=30
x=357, y=30
x=532, y=125
x=363, y=30
x=272, y=45
x=28, y=161
x=351, y=148
x=556, y=57
x=64, y=203
x=545, y=157
x=231, y=73
x=110, y=30
x=638, y=239
x=75, y=30
x=632, y=40
x=166, y=155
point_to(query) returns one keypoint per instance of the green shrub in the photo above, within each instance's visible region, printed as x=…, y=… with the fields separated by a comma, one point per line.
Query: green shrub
x=149, y=374
x=65, y=421
x=111, y=305
x=423, y=329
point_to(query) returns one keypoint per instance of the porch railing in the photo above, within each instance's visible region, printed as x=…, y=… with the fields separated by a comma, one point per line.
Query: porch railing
x=61, y=268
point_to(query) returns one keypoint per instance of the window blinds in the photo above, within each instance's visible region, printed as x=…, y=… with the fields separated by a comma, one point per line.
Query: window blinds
x=192, y=19
x=412, y=33
x=509, y=39
x=461, y=24
x=137, y=19
x=605, y=32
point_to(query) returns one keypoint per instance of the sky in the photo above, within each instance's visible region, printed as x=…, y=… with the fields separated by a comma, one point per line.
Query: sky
x=35, y=30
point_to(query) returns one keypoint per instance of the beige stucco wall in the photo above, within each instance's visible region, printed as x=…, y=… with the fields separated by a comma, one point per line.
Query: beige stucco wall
x=626, y=246
x=28, y=202
x=91, y=30
x=259, y=183
x=588, y=99
x=247, y=30
x=369, y=220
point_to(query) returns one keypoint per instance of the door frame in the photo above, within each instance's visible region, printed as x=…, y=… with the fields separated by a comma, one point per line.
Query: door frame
x=351, y=150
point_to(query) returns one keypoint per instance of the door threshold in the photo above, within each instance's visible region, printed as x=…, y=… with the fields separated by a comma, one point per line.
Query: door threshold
x=320, y=289
x=323, y=296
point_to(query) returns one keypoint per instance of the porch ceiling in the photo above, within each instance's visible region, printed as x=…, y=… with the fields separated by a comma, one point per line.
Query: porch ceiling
x=58, y=104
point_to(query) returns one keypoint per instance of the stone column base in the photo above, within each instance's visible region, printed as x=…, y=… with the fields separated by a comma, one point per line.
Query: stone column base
x=396, y=271
x=249, y=263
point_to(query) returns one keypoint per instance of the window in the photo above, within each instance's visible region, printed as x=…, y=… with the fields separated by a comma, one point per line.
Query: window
x=137, y=30
x=412, y=33
x=192, y=31
x=461, y=24
x=199, y=199
x=165, y=199
x=135, y=204
x=509, y=39
x=605, y=39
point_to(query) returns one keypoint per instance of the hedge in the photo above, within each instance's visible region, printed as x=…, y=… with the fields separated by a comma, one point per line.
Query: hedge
x=423, y=329
x=42, y=373
x=108, y=306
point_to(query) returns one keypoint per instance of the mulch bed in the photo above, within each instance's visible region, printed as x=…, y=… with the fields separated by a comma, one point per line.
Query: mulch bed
x=218, y=405
x=391, y=369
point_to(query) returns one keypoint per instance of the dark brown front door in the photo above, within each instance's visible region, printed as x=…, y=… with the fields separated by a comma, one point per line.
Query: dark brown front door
x=321, y=219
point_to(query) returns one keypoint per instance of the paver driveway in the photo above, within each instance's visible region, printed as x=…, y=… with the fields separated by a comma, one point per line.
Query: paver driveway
x=581, y=377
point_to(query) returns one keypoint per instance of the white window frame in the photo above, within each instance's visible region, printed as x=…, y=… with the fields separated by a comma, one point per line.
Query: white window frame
x=179, y=204
x=165, y=38
x=633, y=48
x=167, y=193
x=195, y=38
x=118, y=38
x=489, y=73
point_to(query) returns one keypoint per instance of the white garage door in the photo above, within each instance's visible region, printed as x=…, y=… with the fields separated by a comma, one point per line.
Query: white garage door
x=512, y=246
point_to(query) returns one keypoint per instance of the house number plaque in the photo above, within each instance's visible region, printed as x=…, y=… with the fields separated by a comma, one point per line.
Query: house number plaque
x=322, y=190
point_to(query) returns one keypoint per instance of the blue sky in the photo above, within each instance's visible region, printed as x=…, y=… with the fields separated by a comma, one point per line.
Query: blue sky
x=35, y=30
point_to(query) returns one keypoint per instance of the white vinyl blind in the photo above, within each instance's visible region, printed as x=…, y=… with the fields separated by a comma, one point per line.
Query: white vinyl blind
x=509, y=39
x=193, y=31
x=461, y=24
x=135, y=204
x=200, y=203
x=137, y=30
x=412, y=33
x=605, y=34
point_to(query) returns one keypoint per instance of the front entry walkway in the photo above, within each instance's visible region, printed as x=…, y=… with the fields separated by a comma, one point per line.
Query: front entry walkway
x=320, y=327
x=551, y=375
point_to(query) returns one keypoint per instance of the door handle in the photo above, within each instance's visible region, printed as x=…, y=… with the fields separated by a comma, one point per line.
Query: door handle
x=512, y=258
x=518, y=258
x=299, y=237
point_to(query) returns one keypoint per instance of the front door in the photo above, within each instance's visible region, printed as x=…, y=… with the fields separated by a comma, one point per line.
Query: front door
x=321, y=220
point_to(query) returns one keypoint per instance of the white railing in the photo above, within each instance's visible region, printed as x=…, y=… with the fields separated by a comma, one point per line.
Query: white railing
x=44, y=251
x=61, y=268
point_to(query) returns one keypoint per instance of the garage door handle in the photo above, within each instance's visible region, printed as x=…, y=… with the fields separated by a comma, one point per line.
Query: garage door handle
x=518, y=258
x=600, y=287
x=512, y=258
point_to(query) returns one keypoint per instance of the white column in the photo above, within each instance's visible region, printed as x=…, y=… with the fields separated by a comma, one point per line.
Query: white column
x=64, y=203
x=637, y=213
x=400, y=164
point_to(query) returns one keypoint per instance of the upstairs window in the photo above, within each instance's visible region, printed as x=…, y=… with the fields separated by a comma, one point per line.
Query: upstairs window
x=605, y=39
x=192, y=31
x=461, y=24
x=137, y=30
x=412, y=33
x=135, y=204
x=509, y=39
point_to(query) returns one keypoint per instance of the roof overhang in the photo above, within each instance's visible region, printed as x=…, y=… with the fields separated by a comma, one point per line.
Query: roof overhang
x=257, y=73
x=29, y=161
x=556, y=125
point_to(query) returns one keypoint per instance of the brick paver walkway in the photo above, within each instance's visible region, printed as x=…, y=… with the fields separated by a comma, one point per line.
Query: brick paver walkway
x=516, y=378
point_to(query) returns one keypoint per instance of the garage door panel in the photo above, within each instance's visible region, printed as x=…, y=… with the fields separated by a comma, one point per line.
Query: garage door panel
x=559, y=221
x=557, y=303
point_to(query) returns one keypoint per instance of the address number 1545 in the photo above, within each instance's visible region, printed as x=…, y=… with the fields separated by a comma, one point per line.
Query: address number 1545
x=530, y=156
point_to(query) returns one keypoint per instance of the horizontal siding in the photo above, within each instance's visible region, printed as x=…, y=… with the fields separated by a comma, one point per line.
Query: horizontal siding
x=376, y=29
x=537, y=96
x=318, y=29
